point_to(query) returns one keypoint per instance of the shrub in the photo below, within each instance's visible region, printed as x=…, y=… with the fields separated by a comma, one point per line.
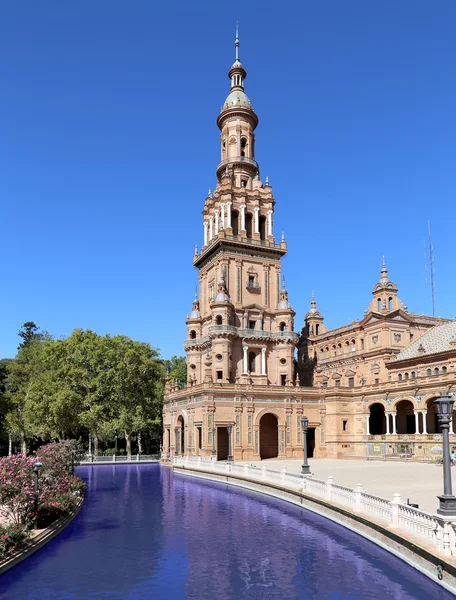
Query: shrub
x=11, y=536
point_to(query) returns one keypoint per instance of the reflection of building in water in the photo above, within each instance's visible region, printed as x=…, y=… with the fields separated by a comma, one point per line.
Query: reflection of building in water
x=244, y=545
x=366, y=386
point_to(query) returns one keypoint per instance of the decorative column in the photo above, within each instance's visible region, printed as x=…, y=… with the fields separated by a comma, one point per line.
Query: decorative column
x=222, y=215
x=228, y=214
x=229, y=458
x=216, y=212
x=205, y=232
x=242, y=217
x=305, y=469
x=211, y=227
x=244, y=360
x=387, y=416
x=214, y=432
x=367, y=425
x=270, y=222
x=257, y=219
x=263, y=361
x=424, y=413
x=394, y=415
x=177, y=444
x=417, y=422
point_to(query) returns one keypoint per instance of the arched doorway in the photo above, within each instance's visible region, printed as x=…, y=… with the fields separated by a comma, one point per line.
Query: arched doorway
x=269, y=436
x=405, y=417
x=432, y=422
x=377, y=421
x=181, y=443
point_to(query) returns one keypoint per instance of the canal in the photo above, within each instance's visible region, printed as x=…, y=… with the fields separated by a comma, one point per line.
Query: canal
x=144, y=532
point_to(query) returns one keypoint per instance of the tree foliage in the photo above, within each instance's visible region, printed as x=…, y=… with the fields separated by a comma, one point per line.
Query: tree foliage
x=176, y=369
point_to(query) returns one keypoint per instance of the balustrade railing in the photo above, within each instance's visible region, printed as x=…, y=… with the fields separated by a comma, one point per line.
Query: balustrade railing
x=432, y=529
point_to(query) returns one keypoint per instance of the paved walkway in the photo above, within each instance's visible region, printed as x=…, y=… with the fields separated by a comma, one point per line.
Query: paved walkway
x=418, y=481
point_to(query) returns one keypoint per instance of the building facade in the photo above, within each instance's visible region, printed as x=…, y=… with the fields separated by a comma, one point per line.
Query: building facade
x=243, y=380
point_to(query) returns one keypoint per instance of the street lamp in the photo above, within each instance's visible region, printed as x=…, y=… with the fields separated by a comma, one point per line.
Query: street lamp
x=444, y=406
x=176, y=445
x=229, y=458
x=36, y=468
x=10, y=444
x=214, y=451
x=115, y=443
x=305, y=469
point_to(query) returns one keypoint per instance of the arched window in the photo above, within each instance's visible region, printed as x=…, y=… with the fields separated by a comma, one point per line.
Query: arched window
x=262, y=228
x=379, y=305
x=252, y=362
x=317, y=329
x=339, y=348
x=235, y=222
x=399, y=377
x=390, y=304
x=413, y=374
x=243, y=146
x=334, y=350
x=248, y=224
x=444, y=370
x=193, y=334
x=406, y=376
x=428, y=372
x=353, y=345
x=218, y=320
x=347, y=346
x=283, y=326
x=436, y=371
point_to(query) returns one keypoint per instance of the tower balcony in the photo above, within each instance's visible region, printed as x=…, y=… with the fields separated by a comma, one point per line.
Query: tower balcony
x=223, y=330
x=241, y=162
x=237, y=241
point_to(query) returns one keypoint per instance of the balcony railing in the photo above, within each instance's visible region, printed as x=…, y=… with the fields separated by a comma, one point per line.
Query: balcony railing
x=249, y=333
x=252, y=286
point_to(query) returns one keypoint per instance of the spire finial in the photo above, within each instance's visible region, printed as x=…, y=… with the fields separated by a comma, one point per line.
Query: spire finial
x=236, y=42
x=196, y=293
x=283, y=283
x=384, y=271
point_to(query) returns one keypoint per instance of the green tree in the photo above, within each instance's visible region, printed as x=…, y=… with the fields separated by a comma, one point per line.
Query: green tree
x=29, y=333
x=176, y=369
x=136, y=386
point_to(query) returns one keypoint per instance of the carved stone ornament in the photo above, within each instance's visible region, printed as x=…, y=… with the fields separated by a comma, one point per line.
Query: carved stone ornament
x=374, y=339
x=397, y=337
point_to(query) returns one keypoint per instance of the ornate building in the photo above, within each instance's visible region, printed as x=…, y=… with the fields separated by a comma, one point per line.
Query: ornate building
x=364, y=387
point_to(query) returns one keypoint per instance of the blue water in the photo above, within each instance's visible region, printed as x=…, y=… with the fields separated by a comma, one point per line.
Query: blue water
x=144, y=532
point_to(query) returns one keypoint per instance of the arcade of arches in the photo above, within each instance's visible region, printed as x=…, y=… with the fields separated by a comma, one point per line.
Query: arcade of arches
x=269, y=436
x=404, y=418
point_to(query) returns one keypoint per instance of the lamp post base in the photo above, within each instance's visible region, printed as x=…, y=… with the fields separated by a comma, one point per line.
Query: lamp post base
x=305, y=470
x=229, y=459
x=447, y=506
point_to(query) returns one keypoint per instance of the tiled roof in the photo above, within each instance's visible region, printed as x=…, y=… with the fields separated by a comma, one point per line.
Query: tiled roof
x=437, y=339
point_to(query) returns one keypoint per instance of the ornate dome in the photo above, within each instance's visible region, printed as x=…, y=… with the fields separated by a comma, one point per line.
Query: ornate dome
x=237, y=98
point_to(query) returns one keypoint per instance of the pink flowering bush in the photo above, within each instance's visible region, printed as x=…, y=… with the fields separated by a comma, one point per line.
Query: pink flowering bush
x=59, y=490
x=11, y=536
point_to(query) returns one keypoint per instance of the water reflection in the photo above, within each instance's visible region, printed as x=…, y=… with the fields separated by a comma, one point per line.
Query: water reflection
x=147, y=533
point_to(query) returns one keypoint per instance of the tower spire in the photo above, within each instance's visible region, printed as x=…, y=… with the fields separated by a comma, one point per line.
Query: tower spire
x=236, y=42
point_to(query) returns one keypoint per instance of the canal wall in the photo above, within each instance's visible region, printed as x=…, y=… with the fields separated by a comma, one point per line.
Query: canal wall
x=376, y=519
x=30, y=546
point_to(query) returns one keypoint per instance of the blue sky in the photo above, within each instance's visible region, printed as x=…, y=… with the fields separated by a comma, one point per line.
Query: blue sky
x=108, y=145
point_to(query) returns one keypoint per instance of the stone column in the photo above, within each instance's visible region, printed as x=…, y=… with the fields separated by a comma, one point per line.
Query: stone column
x=216, y=212
x=257, y=219
x=211, y=227
x=270, y=222
x=242, y=217
x=222, y=215
x=424, y=413
x=205, y=232
x=228, y=214
x=417, y=422
x=263, y=361
x=394, y=415
x=245, y=360
x=367, y=425
x=387, y=423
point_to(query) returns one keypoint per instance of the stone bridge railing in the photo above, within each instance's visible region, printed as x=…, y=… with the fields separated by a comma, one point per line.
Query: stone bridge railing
x=433, y=530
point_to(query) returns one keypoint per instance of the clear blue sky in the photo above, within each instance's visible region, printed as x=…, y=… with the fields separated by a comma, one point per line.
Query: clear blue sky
x=108, y=145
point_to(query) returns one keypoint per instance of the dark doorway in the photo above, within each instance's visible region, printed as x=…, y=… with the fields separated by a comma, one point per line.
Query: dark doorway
x=222, y=443
x=405, y=417
x=377, y=421
x=248, y=225
x=199, y=439
x=181, y=442
x=269, y=436
x=310, y=442
x=263, y=228
x=235, y=222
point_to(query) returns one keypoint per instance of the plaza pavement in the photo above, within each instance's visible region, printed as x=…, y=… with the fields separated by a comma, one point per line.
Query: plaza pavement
x=418, y=481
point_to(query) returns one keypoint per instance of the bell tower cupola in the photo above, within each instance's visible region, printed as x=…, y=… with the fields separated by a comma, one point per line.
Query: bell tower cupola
x=237, y=122
x=385, y=294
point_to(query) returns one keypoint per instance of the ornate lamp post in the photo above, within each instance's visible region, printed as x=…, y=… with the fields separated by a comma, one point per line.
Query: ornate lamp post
x=214, y=451
x=229, y=458
x=305, y=469
x=36, y=469
x=115, y=443
x=444, y=406
x=10, y=444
